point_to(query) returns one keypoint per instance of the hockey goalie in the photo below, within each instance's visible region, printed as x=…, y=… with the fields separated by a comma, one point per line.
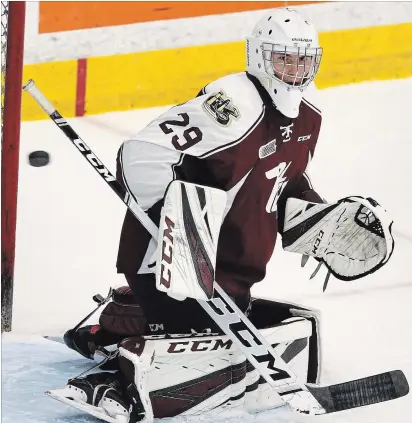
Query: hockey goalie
x=222, y=175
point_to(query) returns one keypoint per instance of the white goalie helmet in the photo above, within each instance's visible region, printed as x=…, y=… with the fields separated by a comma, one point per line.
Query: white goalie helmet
x=284, y=54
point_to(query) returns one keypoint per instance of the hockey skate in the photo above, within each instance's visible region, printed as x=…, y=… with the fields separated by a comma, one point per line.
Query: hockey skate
x=100, y=395
x=94, y=343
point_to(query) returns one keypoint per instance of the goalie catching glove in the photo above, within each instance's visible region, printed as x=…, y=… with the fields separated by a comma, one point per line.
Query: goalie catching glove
x=352, y=237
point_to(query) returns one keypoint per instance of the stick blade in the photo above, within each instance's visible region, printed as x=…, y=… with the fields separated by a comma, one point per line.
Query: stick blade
x=358, y=393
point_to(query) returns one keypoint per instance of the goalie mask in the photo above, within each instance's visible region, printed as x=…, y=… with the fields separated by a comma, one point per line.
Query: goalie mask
x=283, y=53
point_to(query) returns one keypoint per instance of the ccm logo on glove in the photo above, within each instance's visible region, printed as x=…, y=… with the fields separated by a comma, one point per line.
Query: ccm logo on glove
x=317, y=241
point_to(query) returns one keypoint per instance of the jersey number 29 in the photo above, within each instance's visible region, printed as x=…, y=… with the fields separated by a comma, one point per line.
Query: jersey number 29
x=191, y=135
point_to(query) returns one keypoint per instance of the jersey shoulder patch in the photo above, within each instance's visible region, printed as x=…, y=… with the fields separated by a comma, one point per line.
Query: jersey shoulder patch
x=232, y=97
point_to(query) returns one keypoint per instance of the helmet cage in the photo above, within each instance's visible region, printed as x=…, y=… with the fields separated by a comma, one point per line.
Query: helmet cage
x=306, y=60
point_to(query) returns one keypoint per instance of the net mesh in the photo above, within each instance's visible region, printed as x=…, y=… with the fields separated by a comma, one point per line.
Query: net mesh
x=4, y=27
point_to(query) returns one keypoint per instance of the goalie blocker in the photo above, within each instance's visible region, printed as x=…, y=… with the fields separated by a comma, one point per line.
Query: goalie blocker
x=155, y=376
x=189, y=229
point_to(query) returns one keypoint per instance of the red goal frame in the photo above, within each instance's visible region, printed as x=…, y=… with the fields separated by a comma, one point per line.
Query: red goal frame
x=10, y=145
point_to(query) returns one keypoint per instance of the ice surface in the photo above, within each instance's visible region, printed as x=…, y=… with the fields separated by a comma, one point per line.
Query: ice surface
x=69, y=224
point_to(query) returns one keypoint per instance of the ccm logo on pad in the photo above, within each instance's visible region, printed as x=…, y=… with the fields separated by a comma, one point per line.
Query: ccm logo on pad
x=199, y=346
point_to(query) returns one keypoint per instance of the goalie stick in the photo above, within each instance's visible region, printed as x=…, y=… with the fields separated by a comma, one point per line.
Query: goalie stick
x=302, y=398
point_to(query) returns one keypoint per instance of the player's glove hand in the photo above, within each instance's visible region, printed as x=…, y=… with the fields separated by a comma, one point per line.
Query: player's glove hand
x=351, y=237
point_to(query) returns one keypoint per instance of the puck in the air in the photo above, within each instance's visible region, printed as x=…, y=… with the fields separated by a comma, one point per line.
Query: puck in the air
x=39, y=158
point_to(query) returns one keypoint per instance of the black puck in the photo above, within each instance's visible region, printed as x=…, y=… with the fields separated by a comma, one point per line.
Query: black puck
x=39, y=158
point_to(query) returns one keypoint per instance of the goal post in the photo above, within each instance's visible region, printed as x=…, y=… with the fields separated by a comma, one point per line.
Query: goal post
x=12, y=45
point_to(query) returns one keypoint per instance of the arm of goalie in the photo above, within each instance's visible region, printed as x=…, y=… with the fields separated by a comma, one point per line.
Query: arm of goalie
x=189, y=229
x=352, y=237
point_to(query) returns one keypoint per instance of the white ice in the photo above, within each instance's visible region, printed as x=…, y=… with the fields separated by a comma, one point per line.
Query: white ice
x=69, y=223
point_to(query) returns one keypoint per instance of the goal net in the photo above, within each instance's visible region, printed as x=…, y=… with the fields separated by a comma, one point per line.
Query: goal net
x=12, y=44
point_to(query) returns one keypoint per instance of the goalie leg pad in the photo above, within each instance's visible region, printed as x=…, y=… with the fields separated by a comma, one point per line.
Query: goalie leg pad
x=135, y=360
x=200, y=374
x=170, y=375
x=264, y=313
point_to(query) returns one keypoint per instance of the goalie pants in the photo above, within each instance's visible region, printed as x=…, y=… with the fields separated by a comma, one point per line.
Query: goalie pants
x=167, y=315
x=152, y=312
x=140, y=309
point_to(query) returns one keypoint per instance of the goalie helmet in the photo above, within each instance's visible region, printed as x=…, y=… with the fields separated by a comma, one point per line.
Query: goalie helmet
x=284, y=54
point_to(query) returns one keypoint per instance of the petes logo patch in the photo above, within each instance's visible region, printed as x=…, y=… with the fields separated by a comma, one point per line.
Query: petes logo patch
x=286, y=132
x=220, y=107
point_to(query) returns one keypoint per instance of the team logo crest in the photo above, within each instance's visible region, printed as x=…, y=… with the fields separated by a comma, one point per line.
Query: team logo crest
x=286, y=132
x=221, y=108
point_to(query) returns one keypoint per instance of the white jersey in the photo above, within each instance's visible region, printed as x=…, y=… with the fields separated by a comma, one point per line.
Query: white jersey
x=191, y=128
